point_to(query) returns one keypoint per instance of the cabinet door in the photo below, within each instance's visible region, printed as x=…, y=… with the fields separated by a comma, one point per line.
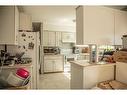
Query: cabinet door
x=25, y=22
x=95, y=74
x=45, y=38
x=121, y=69
x=48, y=66
x=120, y=26
x=8, y=24
x=58, y=39
x=98, y=25
x=52, y=39
x=58, y=65
x=16, y=24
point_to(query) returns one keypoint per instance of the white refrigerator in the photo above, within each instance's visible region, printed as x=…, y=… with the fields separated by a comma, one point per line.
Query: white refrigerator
x=29, y=42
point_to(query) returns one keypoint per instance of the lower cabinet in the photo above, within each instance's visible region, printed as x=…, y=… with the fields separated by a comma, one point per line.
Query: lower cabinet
x=49, y=38
x=53, y=63
x=58, y=65
x=48, y=65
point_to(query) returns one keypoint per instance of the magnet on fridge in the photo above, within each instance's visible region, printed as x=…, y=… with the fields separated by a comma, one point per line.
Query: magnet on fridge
x=24, y=47
x=19, y=46
x=31, y=45
x=23, y=35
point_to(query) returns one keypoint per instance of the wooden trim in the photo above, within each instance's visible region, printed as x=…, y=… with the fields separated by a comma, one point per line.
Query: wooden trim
x=114, y=72
x=54, y=72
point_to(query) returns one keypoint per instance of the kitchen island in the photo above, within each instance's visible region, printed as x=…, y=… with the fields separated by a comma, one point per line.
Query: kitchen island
x=85, y=75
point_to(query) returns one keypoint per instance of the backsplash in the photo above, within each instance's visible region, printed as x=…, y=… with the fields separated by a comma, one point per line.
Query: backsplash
x=66, y=51
x=1, y=47
x=12, y=49
x=67, y=46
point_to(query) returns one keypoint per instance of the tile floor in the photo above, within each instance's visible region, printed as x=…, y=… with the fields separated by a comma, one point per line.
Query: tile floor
x=56, y=80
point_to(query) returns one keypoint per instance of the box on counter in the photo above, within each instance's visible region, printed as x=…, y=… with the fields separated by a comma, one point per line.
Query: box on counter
x=112, y=84
x=104, y=85
x=120, y=56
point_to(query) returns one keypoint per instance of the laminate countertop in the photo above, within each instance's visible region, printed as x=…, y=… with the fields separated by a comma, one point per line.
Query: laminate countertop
x=18, y=66
x=85, y=63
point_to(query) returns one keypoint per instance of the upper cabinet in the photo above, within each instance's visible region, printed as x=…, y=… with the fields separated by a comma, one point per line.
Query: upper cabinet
x=94, y=25
x=25, y=22
x=68, y=37
x=120, y=26
x=52, y=39
x=56, y=38
x=9, y=24
x=49, y=38
x=100, y=25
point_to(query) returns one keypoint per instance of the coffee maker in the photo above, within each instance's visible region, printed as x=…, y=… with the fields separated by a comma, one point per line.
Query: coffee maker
x=76, y=50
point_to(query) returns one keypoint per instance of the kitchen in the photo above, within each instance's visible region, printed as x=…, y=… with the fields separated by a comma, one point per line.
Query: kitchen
x=39, y=41
x=52, y=45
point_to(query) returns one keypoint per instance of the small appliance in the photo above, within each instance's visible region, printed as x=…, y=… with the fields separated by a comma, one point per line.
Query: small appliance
x=51, y=50
x=76, y=50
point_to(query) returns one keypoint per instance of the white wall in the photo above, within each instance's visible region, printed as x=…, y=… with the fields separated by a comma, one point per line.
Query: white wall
x=64, y=28
x=54, y=18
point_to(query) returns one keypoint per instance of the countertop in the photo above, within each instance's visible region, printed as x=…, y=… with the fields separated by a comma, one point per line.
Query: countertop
x=86, y=54
x=50, y=54
x=85, y=63
x=18, y=66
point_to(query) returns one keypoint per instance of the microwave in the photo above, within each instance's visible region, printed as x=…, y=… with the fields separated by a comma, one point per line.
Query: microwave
x=51, y=50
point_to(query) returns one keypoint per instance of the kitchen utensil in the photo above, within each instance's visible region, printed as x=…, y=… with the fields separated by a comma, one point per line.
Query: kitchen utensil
x=22, y=73
x=14, y=80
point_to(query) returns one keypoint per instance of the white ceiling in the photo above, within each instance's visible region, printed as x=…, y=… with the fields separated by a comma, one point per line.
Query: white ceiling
x=117, y=7
x=56, y=15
